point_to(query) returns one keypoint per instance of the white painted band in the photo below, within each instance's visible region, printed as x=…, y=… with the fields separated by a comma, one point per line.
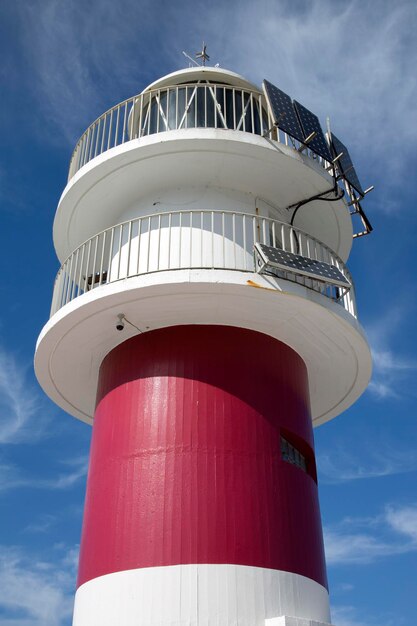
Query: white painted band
x=185, y=595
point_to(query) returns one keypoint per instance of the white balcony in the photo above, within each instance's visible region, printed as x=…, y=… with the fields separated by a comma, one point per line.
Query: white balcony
x=198, y=267
x=179, y=107
x=216, y=240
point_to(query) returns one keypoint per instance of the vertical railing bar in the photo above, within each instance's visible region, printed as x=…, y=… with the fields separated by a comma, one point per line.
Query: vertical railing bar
x=91, y=142
x=80, y=272
x=212, y=239
x=283, y=238
x=167, y=122
x=234, y=238
x=116, y=134
x=223, y=242
x=205, y=106
x=60, y=293
x=251, y=112
x=201, y=237
x=139, y=243
x=110, y=129
x=87, y=266
x=93, y=280
x=149, y=114
x=140, y=117
x=103, y=133
x=97, y=136
x=264, y=231
x=245, y=252
x=191, y=238
x=74, y=284
x=119, y=250
x=69, y=280
x=244, y=110
x=234, y=107
x=159, y=241
x=149, y=242
x=85, y=146
x=100, y=282
x=157, y=108
x=132, y=118
x=176, y=108
x=124, y=123
x=169, y=239
x=73, y=272
x=261, y=117
x=110, y=262
x=300, y=244
x=65, y=284
x=129, y=245
x=180, y=241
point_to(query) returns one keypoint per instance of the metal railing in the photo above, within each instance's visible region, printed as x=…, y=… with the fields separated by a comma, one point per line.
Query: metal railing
x=189, y=240
x=194, y=105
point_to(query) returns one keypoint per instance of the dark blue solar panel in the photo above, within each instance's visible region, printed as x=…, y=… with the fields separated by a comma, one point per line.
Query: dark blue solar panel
x=298, y=264
x=283, y=111
x=345, y=164
x=310, y=124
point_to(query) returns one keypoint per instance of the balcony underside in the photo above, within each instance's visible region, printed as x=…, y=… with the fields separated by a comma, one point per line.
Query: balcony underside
x=129, y=179
x=81, y=333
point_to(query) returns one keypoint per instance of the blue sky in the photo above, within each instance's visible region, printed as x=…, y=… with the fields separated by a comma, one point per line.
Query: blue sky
x=63, y=63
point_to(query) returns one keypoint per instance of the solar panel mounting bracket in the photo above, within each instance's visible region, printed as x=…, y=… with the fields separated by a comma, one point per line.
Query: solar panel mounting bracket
x=307, y=140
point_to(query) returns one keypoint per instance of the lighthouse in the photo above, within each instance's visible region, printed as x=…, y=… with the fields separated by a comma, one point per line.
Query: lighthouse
x=203, y=322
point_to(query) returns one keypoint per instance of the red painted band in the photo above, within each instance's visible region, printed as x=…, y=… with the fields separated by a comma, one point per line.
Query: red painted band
x=185, y=461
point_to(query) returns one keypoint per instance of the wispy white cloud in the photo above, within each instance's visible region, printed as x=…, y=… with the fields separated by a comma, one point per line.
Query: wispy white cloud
x=12, y=477
x=351, y=62
x=349, y=616
x=404, y=521
x=79, y=57
x=391, y=368
x=42, y=524
x=342, y=465
x=34, y=591
x=358, y=540
x=22, y=414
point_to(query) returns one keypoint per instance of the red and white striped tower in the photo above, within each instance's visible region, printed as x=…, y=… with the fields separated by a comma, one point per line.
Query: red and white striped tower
x=202, y=378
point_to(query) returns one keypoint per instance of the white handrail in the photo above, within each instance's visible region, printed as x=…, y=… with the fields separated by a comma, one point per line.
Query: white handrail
x=194, y=105
x=189, y=240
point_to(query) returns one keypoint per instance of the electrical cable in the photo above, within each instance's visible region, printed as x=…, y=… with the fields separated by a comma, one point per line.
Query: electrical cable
x=131, y=323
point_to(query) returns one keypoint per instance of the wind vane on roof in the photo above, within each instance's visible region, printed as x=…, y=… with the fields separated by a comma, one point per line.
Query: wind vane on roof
x=203, y=54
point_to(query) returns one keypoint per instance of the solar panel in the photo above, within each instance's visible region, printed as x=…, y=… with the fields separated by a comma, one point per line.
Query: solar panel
x=298, y=264
x=345, y=164
x=310, y=124
x=283, y=111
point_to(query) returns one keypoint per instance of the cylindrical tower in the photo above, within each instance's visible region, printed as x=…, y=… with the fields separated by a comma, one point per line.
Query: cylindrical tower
x=203, y=321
